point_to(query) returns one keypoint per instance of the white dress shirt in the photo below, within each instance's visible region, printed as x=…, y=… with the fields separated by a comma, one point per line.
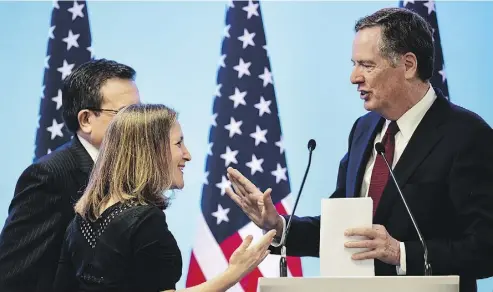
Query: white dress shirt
x=93, y=151
x=407, y=123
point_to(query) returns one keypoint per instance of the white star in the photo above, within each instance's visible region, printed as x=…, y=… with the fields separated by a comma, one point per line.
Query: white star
x=43, y=91
x=76, y=10
x=263, y=106
x=223, y=185
x=226, y=31
x=251, y=9
x=209, y=151
x=206, y=181
x=213, y=122
x=221, y=61
x=407, y=2
x=430, y=5
x=442, y=72
x=233, y=127
x=91, y=50
x=66, y=69
x=221, y=214
x=49, y=151
x=231, y=4
x=255, y=164
x=266, y=77
x=47, y=65
x=58, y=99
x=280, y=173
x=247, y=38
x=280, y=144
x=50, y=32
x=229, y=156
x=55, y=129
x=238, y=97
x=55, y=4
x=259, y=135
x=218, y=90
x=242, y=68
x=71, y=40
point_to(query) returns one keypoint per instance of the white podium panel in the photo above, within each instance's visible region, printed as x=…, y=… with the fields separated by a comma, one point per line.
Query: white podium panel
x=363, y=284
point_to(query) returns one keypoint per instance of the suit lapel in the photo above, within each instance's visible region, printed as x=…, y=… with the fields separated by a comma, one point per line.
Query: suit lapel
x=361, y=150
x=425, y=137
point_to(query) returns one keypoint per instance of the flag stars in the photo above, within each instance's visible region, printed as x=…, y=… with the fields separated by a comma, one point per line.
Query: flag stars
x=223, y=185
x=55, y=129
x=243, y=68
x=91, y=50
x=51, y=31
x=221, y=214
x=58, y=99
x=407, y=2
x=430, y=5
x=229, y=156
x=251, y=9
x=43, y=91
x=263, y=106
x=266, y=77
x=76, y=10
x=255, y=164
x=247, y=38
x=442, y=72
x=47, y=60
x=238, y=97
x=206, y=180
x=233, y=127
x=280, y=144
x=209, y=150
x=221, y=61
x=259, y=135
x=71, y=40
x=226, y=31
x=66, y=69
x=279, y=173
x=213, y=120
x=218, y=90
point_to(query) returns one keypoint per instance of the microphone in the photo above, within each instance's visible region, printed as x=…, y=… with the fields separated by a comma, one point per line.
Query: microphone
x=427, y=267
x=283, y=263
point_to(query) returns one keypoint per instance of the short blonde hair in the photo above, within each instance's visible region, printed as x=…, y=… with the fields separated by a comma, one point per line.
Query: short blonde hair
x=134, y=160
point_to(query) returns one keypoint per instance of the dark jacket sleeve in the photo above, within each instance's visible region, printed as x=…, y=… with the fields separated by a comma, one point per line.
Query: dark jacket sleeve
x=471, y=192
x=157, y=258
x=304, y=235
x=31, y=236
x=65, y=278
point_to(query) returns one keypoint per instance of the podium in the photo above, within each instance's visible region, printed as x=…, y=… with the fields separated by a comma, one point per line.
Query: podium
x=364, y=284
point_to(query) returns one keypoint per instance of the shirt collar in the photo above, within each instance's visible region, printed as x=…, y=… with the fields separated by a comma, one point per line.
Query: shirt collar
x=93, y=151
x=410, y=120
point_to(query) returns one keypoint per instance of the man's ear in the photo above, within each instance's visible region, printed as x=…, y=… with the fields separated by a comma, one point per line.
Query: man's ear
x=84, y=117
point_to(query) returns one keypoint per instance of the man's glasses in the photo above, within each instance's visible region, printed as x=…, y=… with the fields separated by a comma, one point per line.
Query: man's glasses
x=103, y=110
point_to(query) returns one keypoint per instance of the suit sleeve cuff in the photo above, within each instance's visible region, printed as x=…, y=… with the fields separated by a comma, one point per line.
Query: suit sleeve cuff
x=401, y=269
x=276, y=242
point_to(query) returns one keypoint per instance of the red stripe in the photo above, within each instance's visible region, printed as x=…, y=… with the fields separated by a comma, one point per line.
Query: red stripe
x=195, y=275
x=250, y=281
x=294, y=263
x=228, y=246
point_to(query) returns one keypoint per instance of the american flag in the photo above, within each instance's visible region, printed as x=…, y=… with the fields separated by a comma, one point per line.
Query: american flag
x=69, y=45
x=245, y=134
x=427, y=10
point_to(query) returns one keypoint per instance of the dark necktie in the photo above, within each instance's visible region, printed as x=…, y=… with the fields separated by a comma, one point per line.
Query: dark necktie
x=381, y=173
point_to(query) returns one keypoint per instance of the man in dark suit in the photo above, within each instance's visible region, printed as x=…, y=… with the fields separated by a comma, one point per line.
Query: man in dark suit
x=46, y=191
x=442, y=156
